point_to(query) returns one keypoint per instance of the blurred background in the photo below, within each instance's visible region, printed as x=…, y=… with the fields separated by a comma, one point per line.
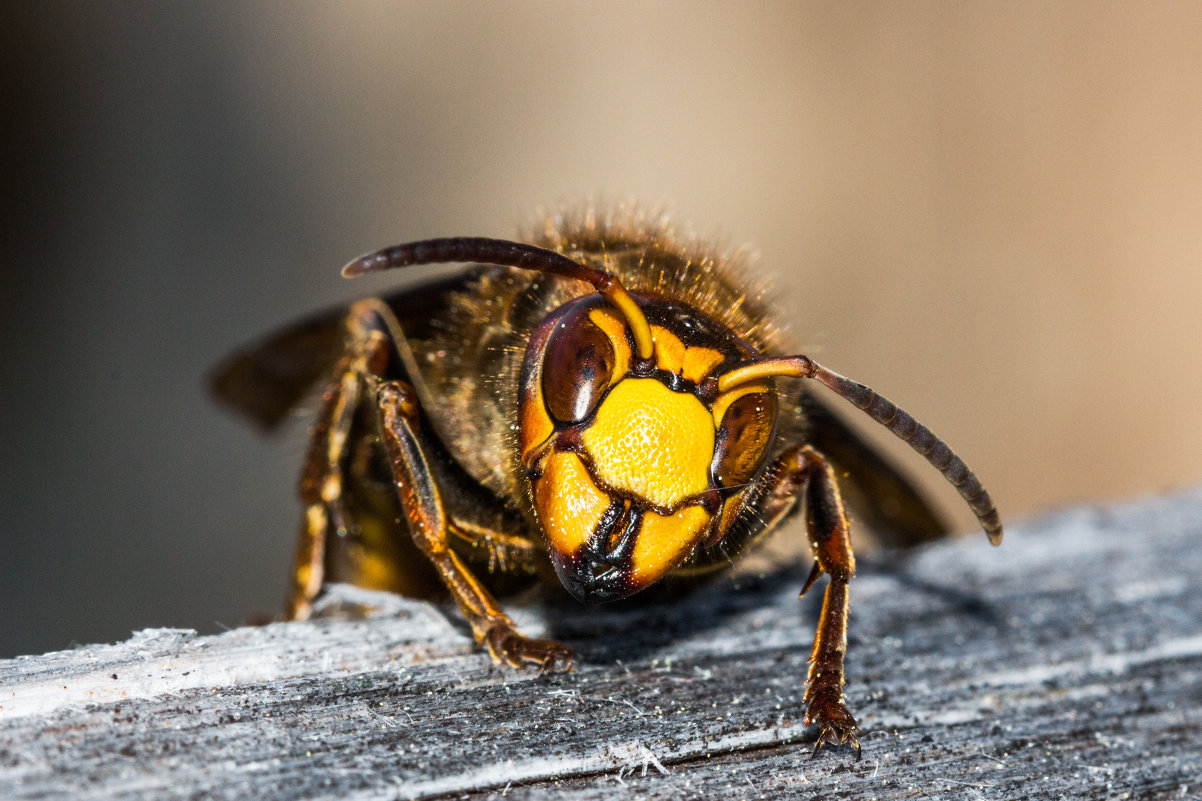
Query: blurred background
x=990, y=212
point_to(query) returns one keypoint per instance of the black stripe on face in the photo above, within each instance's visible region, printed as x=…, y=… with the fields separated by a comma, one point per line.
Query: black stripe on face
x=600, y=571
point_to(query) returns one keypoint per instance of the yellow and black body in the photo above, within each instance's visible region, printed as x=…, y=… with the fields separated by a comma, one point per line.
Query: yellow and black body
x=606, y=404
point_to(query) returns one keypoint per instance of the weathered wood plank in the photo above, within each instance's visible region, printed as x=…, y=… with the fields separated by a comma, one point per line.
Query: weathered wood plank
x=1067, y=664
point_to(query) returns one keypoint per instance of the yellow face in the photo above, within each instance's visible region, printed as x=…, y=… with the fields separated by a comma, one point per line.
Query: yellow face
x=634, y=463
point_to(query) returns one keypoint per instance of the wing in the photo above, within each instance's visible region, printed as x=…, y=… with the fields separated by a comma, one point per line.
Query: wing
x=267, y=379
x=880, y=494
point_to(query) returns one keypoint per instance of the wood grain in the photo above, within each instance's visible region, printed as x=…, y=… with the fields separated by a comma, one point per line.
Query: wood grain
x=1066, y=664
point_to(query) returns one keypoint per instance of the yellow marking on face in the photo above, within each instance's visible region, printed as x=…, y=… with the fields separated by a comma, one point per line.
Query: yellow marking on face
x=698, y=362
x=652, y=442
x=534, y=424
x=723, y=402
x=664, y=541
x=569, y=504
x=615, y=329
x=669, y=350
x=693, y=363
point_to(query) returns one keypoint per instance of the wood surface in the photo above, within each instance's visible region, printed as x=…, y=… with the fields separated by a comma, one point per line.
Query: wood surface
x=1065, y=664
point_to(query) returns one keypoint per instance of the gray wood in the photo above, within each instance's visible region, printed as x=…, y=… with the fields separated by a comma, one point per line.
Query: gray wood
x=1066, y=664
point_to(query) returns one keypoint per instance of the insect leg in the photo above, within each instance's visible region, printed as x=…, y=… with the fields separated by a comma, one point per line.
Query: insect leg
x=321, y=481
x=428, y=523
x=505, y=553
x=805, y=472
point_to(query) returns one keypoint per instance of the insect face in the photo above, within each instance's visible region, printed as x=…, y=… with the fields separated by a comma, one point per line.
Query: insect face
x=635, y=461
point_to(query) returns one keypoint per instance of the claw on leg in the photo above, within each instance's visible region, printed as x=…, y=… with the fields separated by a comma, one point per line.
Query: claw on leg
x=509, y=646
x=836, y=726
x=824, y=701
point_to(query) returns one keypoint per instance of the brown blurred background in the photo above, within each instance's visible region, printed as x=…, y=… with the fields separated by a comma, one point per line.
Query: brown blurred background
x=990, y=212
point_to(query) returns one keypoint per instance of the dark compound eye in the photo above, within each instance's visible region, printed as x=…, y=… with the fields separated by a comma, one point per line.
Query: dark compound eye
x=743, y=438
x=577, y=367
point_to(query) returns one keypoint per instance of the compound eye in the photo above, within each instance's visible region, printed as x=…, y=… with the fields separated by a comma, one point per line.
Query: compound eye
x=577, y=367
x=743, y=437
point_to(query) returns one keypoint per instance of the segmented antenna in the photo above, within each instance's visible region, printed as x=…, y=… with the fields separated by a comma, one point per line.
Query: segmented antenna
x=888, y=414
x=509, y=254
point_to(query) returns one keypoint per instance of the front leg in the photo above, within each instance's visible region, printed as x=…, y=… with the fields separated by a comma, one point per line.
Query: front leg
x=428, y=523
x=803, y=472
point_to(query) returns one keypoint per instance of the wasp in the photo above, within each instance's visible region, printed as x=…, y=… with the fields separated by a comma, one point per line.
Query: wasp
x=605, y=404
